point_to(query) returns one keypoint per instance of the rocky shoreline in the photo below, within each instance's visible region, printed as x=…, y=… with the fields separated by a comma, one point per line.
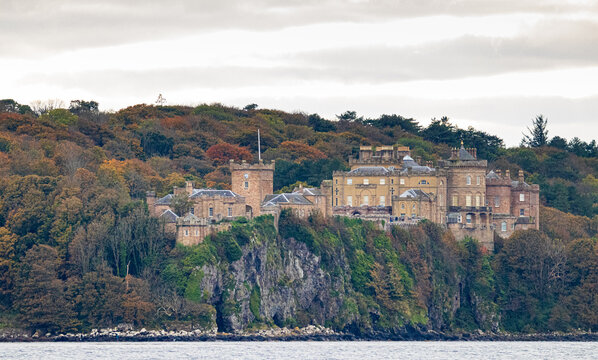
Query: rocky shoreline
x=309, y=333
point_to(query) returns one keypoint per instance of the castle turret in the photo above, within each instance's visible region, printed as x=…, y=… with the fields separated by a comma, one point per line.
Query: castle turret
x=252, y=181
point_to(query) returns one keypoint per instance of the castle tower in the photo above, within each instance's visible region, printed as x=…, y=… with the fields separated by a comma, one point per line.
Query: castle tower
x=252, y=181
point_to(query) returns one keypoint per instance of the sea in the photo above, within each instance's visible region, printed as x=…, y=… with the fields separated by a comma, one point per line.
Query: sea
x=300, y=350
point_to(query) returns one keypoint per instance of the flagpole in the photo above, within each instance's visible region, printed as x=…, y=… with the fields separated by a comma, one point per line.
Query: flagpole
x=259, y=150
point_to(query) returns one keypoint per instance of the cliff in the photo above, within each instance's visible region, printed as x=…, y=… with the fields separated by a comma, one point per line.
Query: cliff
x=343, y=274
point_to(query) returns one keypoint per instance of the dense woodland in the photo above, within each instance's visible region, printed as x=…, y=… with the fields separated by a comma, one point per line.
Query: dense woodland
x=78, y=249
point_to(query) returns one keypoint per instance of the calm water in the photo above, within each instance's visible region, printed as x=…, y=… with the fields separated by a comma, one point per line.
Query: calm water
x=301, y=350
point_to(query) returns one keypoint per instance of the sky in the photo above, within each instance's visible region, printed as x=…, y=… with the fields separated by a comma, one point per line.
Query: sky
x=490, y=64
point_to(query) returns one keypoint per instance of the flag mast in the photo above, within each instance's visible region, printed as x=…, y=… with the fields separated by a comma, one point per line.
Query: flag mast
x=259, y=150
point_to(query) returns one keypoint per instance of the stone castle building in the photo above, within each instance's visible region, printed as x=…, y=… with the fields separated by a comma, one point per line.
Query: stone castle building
x=385, y=184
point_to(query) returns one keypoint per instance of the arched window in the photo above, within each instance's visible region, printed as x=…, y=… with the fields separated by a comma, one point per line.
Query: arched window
x=468, y=180
x=503, y=226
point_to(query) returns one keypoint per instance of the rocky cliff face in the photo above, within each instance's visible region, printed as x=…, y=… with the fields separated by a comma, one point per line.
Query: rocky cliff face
x=273, y=282
x=345, y=275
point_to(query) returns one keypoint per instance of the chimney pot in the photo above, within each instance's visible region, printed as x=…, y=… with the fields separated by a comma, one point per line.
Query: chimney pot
x=521, y=178
x=508, y=173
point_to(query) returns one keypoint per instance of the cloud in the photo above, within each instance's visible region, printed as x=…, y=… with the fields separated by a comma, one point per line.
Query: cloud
x=29, y=27
x=549, y=45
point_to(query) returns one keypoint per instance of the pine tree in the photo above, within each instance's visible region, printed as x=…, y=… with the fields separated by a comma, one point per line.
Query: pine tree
x=538, y=134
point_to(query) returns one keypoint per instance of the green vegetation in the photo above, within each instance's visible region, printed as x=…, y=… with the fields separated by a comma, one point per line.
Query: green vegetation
x=78, y=249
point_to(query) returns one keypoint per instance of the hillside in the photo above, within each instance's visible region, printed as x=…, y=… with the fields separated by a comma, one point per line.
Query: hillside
x=78, y=249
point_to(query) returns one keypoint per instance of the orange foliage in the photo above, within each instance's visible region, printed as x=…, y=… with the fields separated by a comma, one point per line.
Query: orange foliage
x=559, y=225
x=176, y=123
x=302, y=151
x=223, y=152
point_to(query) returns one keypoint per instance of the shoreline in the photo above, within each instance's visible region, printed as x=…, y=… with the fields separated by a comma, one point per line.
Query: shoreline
x=310, y=333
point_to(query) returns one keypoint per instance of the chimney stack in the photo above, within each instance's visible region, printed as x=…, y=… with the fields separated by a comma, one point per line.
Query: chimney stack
x=508, y=174
x=499, y=173
x=418, y=160
x=189, y=187
x=521, y=179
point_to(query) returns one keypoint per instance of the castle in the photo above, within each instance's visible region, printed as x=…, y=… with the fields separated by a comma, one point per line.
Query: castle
x=384, y=184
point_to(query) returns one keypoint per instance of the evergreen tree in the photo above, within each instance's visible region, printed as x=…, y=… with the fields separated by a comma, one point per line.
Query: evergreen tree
x=538, y=134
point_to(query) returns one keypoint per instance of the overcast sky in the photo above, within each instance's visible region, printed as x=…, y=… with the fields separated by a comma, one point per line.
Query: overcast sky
x=491, y=64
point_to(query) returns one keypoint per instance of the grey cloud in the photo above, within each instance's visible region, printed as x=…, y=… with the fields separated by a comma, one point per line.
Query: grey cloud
x=31, y=27
x=552, y=44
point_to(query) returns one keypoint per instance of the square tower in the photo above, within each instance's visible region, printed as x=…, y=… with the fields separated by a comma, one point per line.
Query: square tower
x=252, y=181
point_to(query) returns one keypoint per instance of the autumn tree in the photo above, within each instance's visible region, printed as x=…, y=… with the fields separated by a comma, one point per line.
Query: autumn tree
x=41, y=298
x=223, y=152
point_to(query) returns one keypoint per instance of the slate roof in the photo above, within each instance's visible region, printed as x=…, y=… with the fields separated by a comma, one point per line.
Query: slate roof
x=169, y=216
x=414, y=194
x=165, y=200
x=409, y=163
x=286, y=198
x=464, y=154
x=212, y=192
x=369, y=170
x=307, y=191
x=492, y=175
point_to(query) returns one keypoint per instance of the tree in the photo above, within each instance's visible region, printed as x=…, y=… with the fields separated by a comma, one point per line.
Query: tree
x=181, y=204
x=41, y=298
x=350, y=116
x=82, y=107
x=9, y=105
x=538, y=134
x=41, y=107
x=223, y=152
x=250, y=107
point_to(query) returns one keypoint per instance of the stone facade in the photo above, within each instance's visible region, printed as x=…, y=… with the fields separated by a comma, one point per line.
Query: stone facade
x=209, y=212
x=384, y=185
x=253, y=182
x=458, y=193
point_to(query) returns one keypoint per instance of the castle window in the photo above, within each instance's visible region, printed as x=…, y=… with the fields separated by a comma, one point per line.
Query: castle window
x=382, y=201
x=336, y=181
x=468, y=180
x=497, y=201
x=503, y=226
x=468, y=218
x=186, y=232
x=521, y=197
x=382, y=181
x=478, y=200
x=455, y=200
x=477, y=180
x=468, y=200
x=366, y=200
x=392, y=181
x=196, y=232
x=521, y=212
x=336, y=202
x=246, y=184
x=423, y=182
x=366, y=181
x=350, y=200
x=402, y=206
x=349, y=181
x=192, y=211
x=230, y=211
x=402, y=181
x=211, y=211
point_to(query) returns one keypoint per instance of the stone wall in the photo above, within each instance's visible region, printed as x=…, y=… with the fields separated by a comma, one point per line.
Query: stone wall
x=252, y=181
